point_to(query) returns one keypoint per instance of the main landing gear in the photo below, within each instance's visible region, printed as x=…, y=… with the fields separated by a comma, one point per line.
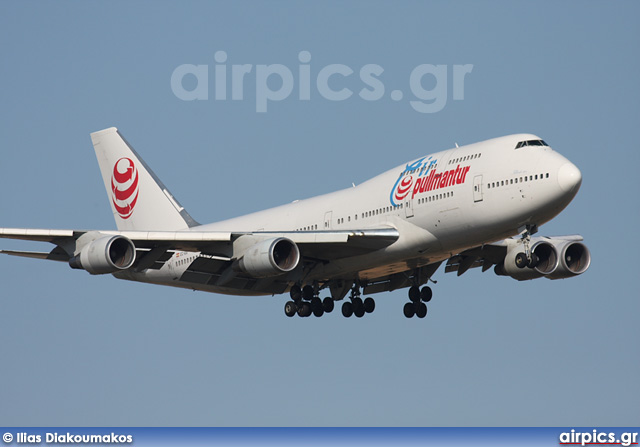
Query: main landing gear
x=357, y=306
x=306, y=301
x=418, y=298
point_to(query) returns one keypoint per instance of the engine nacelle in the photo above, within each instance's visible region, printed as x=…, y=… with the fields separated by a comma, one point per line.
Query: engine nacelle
x=271, y=257
x=107, y=254
x=546, y=253
x=575, y=259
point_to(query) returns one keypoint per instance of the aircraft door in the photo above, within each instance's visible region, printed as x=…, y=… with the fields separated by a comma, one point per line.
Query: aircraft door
x=477, y=188
x=327, y=220
x=408, y=208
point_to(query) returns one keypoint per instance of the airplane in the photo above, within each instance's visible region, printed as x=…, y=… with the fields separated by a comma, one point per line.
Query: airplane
x=472, y=206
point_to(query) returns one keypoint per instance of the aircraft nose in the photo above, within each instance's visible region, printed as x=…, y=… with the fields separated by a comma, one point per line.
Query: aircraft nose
x=569, y=177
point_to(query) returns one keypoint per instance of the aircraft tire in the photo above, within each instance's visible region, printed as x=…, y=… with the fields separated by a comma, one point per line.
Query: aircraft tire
x=521, y=260
x=347, y=309
x=304, y=310
x=328, y=304
x=318, y=311
x=533, y=263
x=369, y=305
x=421, y=310
x=426, y=294
x=358, y=310
x=409, y=310
x=414, y=294
x=290, y=308
x=307, y=292
x=295, y=293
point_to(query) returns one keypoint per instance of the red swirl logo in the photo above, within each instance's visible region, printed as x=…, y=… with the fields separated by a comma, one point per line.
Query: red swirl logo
x=124, y=187
x=403, y=188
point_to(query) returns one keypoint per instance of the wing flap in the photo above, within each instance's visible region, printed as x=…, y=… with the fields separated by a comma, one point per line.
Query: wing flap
x=484, y=256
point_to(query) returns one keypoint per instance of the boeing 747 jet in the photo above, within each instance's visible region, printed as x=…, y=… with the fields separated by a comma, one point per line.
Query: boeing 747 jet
x=471, y=206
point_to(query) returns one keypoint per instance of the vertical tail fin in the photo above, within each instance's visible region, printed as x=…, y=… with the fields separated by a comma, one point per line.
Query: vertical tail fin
x=139, y=200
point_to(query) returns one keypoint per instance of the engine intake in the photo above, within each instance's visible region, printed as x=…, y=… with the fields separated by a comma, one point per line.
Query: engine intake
x=575, y=259
x=107, y=254
x=271, y=257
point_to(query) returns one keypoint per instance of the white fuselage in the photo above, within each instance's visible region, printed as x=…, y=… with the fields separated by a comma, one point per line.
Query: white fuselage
x=441, y=204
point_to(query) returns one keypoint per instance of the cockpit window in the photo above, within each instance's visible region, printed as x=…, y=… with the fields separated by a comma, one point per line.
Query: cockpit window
x=531, y=143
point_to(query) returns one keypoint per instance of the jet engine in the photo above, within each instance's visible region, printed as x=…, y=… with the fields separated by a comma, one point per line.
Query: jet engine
x=107, y=254
x=553, y=258
x=544, y=253
x=271, y=257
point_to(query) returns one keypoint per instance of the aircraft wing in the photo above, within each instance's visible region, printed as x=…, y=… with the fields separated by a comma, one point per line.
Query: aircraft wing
x=319, y=245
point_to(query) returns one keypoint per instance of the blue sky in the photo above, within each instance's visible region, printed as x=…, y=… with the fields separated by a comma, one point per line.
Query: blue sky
x=83, y=350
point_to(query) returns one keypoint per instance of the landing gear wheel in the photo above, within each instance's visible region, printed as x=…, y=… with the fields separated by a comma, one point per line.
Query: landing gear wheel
x=414, y=293
x=295, y=293
x=521, y=260
x=328, y=305
x=426, y=293
x=409, y=310
x=304, y=310
x=358, y=309
x=307, y=292
x=369, y=305
x=290, y=309
x=318, y=311
x=356, y=302
x=347, y=309
x=316, y=302
x=533, y=263
x=421, y=310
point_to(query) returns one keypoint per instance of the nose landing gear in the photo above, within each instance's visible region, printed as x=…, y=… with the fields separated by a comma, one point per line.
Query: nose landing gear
x=527, y=258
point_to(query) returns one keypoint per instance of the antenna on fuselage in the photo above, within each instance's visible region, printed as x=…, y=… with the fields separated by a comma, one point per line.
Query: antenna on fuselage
x=456, y=144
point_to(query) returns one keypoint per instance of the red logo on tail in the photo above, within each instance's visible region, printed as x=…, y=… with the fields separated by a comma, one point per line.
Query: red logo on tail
x=124, y=187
